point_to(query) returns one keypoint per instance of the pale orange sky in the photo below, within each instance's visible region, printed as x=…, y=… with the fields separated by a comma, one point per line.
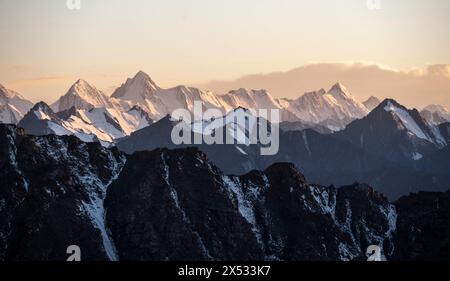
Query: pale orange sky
x=414, y=88
x=46, y=47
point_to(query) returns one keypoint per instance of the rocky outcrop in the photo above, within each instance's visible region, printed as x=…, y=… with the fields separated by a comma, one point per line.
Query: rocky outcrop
x=51, y=196
x=175, y=205
x=423, y=227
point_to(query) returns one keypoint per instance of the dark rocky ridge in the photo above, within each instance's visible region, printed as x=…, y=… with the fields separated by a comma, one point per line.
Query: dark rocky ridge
x=51, y=195
x=423, y=227
x=176, y=205
x=338, y=159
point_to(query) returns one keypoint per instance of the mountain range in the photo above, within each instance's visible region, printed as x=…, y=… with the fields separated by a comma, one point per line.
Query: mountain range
x=88, y=112
x=333, y=109
x=102, y=172
x=175, y=205
x=387, y=149
x=328, y=135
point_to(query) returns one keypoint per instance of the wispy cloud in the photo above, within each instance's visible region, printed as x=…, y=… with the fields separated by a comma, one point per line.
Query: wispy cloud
x=414, y=87
x=38, y=81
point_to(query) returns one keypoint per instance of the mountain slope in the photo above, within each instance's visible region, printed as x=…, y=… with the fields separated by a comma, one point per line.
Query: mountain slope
x=250, y=99
x=396, y=133
x=176, y=205
x=371, y=103
x=41, y=120
x=422, y=227
x=12, y=106
x=157, y=102
x=156, y=212
x=81, y=95
x=436, y=114
x=333, y=109
x=339, y=158
x=444, y=129
x=51, y=196
x=104, y=124
x=322, y=158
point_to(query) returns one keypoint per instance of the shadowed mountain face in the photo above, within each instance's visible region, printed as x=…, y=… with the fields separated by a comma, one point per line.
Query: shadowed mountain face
x=51, y=195
x=394, y=132
x=176, y=205
x=322, y=158
x=392, y=149
x=422, y=228
x=272, y=215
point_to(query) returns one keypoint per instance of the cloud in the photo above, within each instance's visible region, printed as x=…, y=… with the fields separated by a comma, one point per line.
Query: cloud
x=413, y=87
x=442, y=70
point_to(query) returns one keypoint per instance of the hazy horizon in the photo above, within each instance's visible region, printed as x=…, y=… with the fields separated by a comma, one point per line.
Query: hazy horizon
x=47, y=46
x=362, y=80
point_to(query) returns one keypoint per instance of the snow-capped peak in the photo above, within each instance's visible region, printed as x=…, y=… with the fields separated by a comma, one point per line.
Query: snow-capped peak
x=436, y=114
x=340, y=91
x=333, y=109
x=42, y=106
x=250, y=99
x=437, y=108
x=43, y=111
x=81, y=95
x=371, y=103
x=12, y=106
x=5, y=93
x=141, y=75
x=136, y=89
x=407, y=121
x=238, y=122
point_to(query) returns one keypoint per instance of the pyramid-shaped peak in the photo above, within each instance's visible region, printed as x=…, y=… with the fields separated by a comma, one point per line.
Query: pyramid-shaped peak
x=390, y=102
x=339, y=90
x=373, y=99
x=43, y=107
x=391, y=105
x=143, y=78
x=6, y=93
x=338, y=87
x=141, y=75
x=81, y=82
x=81, y=85
x=137, y=88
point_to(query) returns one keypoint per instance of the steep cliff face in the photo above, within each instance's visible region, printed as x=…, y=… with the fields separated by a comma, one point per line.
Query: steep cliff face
x=51, y=196
x=423, y=227
x=175, y=205
x=172, y=205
